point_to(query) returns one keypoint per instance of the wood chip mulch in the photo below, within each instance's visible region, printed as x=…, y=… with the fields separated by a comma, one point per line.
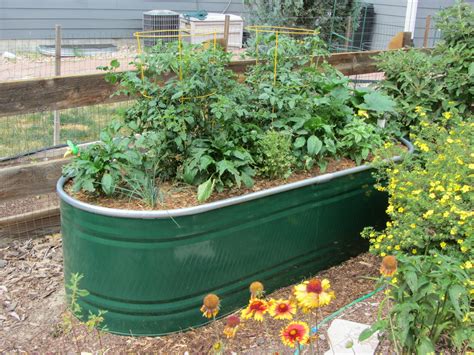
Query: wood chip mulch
x=32, y=306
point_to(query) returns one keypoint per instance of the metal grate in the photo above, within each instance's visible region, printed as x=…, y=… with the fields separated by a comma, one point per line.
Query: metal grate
x=161, y=20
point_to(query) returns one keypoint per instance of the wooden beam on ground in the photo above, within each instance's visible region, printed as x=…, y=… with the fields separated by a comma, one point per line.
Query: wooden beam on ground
x=33, y=179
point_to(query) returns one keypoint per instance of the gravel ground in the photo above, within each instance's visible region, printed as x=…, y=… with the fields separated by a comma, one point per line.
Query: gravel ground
x=32, y=299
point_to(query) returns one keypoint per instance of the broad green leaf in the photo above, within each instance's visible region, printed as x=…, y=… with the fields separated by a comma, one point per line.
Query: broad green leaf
x=412, y=280
x=455, y=292
x=115, y=63
x=299, y=142
x=239, y=154
x=425, y=346
x=105, y=136
x=246, y=179
x=205, y=161
x=177, y=95
x=133, y=125
x=378, y=102
x=82, y=293
x=367, y=333
x=471, y=69
x=314, y=145
x=323, y=165
x=205, y=190
x=107, y=184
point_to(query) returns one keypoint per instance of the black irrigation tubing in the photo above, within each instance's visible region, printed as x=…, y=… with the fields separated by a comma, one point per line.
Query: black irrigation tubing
x=31, y=152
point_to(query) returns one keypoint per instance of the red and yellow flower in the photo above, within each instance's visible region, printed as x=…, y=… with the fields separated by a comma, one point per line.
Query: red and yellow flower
x=231, y=326
x=314, y=293
x=295, y=333
x=256, y=309
x=211, y=305
x=282, y=309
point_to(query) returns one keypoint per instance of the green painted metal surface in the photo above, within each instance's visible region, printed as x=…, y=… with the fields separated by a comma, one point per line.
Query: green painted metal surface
x=151, y=274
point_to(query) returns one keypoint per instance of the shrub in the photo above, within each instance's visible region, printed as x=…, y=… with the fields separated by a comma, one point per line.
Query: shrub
x=414, y=78
x=204, y=127
x=431, y=306
x=358, y=140
x=430, y=193
x=274, y=155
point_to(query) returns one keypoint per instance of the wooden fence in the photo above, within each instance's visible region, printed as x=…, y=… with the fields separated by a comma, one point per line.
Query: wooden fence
x=24, y=96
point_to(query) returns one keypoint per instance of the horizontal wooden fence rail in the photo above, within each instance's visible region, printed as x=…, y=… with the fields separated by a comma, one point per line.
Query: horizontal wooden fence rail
x=58, y=93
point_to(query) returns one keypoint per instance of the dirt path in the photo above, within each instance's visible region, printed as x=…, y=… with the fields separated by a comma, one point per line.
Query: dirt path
x=32, y=299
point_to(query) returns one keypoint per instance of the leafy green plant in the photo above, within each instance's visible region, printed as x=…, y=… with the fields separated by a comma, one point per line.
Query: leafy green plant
x=93, y=321
x=358, y=140
x=430, y=193
x=100, y=167
x=327, y=15
x=419, y=79
x=275, y=155
x=431, y=305
x=204, y=127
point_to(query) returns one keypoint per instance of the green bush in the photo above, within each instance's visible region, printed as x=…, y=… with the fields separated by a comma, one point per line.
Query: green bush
x=431, y=202
x=205, y=128
x=431, y=300
x=414, y=78
x=430, y=232
x=274, y=155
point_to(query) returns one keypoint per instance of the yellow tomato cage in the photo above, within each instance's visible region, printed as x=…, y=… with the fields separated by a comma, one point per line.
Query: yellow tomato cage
x=179, y=35
x=278, y=30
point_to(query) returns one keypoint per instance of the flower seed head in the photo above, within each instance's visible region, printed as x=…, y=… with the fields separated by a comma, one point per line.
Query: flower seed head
x=211, y=301
x=232, y=321
x=256, y=289
x=389, y=266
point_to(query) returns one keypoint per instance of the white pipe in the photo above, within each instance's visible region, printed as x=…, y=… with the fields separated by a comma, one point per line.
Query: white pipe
x=410, y=16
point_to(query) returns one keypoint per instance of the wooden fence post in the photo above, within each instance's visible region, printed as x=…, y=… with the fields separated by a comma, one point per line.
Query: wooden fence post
x=57, y=72
x=407, y=41
x=226, y=32
x=348, y=32
x=427, y=31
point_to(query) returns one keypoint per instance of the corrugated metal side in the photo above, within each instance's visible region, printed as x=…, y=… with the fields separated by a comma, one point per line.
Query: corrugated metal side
x=32, y=19
x=151, y=274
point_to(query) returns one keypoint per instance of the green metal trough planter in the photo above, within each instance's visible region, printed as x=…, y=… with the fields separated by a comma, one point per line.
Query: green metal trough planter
x=151, y=269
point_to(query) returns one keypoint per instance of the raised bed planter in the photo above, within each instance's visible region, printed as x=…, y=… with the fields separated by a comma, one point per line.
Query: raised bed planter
x=151, y=269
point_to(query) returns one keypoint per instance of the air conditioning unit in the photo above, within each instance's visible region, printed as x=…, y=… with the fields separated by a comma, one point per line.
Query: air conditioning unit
x=164, y=21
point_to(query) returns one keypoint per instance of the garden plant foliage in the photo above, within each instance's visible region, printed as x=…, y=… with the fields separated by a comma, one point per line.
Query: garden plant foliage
x=431, y=201
x=414, y=78
x=430, y=232
x=206, y=127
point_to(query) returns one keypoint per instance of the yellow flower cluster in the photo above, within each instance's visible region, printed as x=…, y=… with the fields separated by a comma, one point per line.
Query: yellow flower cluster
x=431, y=201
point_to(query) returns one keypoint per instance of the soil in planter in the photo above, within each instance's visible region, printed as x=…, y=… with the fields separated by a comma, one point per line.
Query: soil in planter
x=180, y=195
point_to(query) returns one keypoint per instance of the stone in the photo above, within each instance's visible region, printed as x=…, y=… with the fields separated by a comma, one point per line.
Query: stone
x=3, y=263
x=344, y=338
